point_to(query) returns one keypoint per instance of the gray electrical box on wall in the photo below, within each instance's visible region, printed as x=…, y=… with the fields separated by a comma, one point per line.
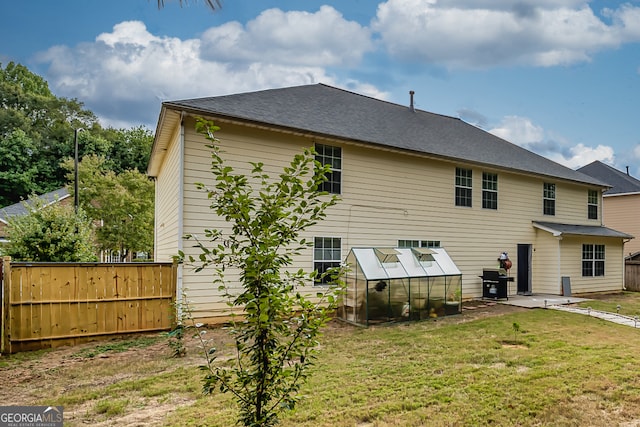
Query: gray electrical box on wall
x=566, y=286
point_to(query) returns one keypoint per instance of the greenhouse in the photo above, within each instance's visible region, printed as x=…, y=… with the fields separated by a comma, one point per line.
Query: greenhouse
x=400, y=284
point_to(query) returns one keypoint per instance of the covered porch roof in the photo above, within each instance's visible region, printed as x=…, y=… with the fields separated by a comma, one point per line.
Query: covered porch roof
x=579, y=230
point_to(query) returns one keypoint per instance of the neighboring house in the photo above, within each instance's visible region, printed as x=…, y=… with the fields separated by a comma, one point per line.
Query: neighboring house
x=621, y=202
x=406, y=177
x=19, y=209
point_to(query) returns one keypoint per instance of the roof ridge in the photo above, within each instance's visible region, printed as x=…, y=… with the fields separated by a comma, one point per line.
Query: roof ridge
x=395, y=104
x=621, y=174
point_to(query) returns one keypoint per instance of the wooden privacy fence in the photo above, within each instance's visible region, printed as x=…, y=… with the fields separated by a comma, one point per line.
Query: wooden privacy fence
x=632, y=275
x=51, y=304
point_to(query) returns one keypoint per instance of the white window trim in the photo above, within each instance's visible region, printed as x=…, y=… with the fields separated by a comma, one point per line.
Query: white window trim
x=339, y=260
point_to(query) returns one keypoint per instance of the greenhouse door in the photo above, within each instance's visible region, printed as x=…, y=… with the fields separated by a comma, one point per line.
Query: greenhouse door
x=524, y=269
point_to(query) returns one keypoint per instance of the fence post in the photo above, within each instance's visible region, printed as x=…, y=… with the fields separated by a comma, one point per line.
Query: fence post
x=176, y=302
x=5, y=274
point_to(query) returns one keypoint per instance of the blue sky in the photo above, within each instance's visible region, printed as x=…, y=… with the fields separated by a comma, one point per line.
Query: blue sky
x=559, y=77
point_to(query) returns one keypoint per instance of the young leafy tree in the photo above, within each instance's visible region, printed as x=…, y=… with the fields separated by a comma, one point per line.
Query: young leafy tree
x=121, y=203
x=276, y=338
x=18, y=170
x=52, y=233
x=131, y=148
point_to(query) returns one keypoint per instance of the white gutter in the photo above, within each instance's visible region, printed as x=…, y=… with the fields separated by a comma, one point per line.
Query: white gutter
x=624, y=265
x=555, y=233
x=635, y=193
x=559, y=260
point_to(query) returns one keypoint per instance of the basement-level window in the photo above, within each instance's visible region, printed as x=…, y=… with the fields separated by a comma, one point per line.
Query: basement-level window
x=592, y=204
x=489, y=190
x=549, y=199
x=332, y=156
x=326, y=255
x=464, y=181
x=592, y=260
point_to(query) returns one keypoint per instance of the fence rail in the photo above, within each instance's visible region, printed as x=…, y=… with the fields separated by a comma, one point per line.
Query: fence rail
x=51, y=304
x=632, y=275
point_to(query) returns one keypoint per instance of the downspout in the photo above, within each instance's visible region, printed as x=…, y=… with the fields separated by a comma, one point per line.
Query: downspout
x=155, y=221
x=559, y=278
x=624, y=264
x=179, y=284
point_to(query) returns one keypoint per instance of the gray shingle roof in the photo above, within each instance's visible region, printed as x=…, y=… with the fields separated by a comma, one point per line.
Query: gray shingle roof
x=580, y=230
x=18, y=209
x=329, y=111
x=620, y=182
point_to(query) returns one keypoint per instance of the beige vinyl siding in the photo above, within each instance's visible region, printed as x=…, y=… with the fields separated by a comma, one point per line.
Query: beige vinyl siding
x=168, y=202
x=572, y=203
x=572, y=265
x=240, y=146
x=555, y=257
x=622, y=213
x=546, y=260
x=388, y=196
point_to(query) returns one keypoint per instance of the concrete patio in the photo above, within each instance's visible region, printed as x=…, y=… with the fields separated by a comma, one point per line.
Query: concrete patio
x=562, y=303
x=538, y=300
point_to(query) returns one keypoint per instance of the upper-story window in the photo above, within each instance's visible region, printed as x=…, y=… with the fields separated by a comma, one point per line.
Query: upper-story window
x=464, y=182
x=329, y=155
x=549, y=199
x=592, y=204
x=489, y=190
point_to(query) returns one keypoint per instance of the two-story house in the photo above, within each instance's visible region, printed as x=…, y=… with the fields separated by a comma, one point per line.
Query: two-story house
x=406, y=177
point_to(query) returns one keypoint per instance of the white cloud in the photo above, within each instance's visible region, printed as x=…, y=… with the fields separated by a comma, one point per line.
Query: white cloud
x=522, y=131
x=125, y=74
x=365, y=89
x=485, y=33
x=626, y=20
x=580, y=155
x=323, y=38
x=633, y=162
x=519, y=130
x=130, y=32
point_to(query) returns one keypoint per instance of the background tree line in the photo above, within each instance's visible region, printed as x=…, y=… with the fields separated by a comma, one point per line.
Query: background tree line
x=36, y=156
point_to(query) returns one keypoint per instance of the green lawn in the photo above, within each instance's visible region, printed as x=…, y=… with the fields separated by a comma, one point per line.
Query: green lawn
x=568, y=370
x=560, y=369
x=629, y=303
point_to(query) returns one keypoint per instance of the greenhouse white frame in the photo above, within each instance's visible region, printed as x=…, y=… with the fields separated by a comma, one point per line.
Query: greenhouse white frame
x=400, y=284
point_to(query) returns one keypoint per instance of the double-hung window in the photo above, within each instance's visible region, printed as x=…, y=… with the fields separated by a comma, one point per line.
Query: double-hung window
x=549, y=199
x=326, y=255
x=592, y=204
x=464, y=181
x=489, y=190
x=332, y=156
x=592, y=260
